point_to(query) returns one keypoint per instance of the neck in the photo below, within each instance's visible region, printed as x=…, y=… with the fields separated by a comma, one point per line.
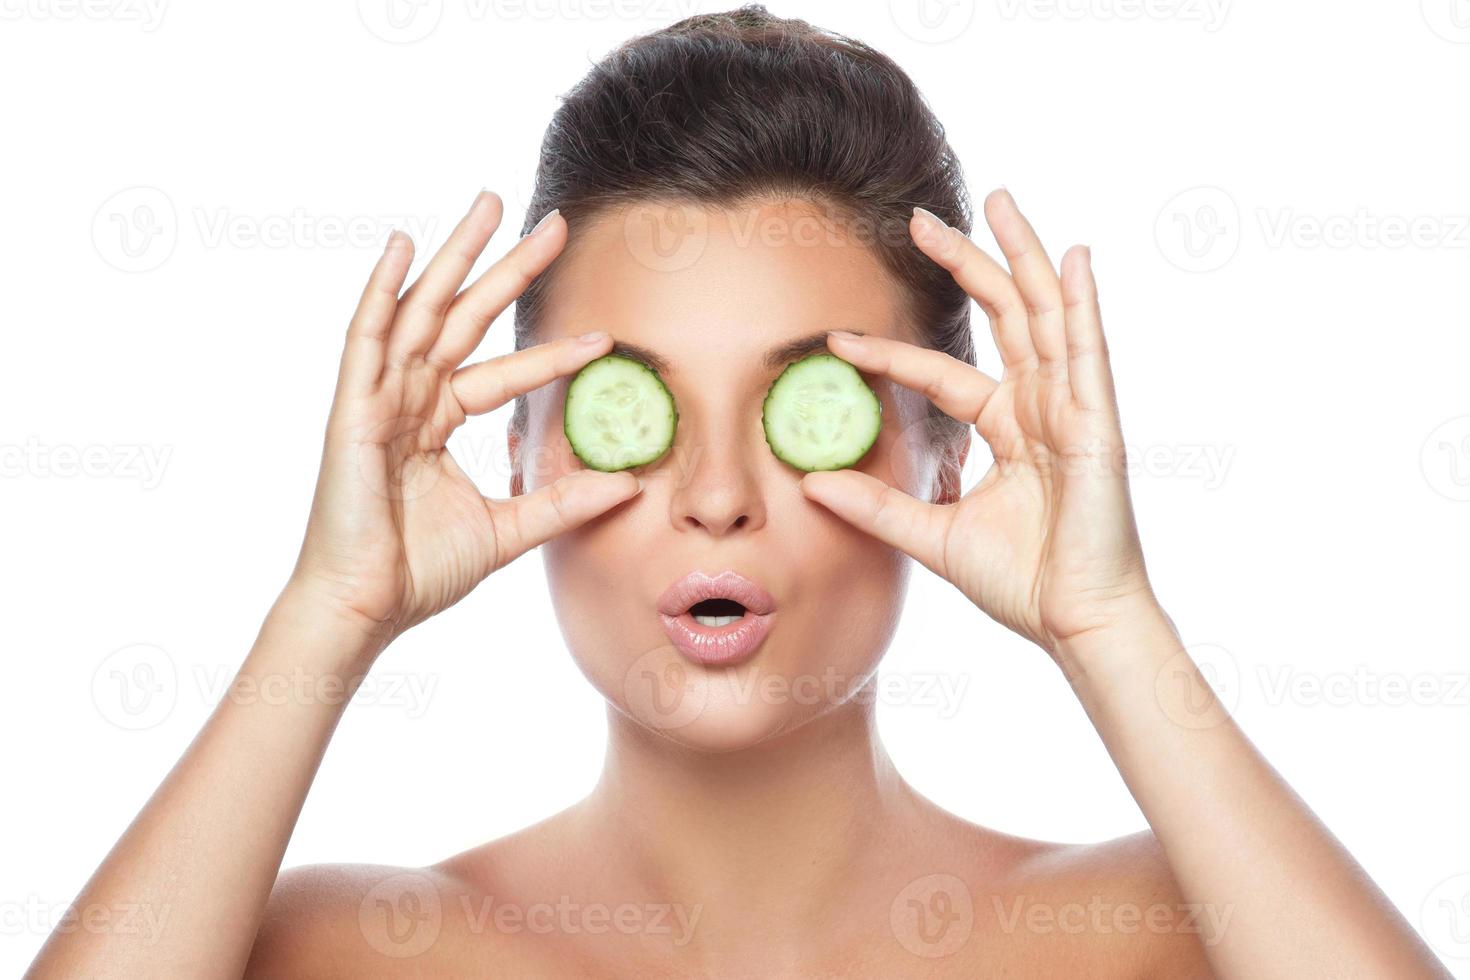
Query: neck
x=777, y=830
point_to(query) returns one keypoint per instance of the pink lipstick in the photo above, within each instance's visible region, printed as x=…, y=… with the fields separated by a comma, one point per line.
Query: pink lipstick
x=716, y=620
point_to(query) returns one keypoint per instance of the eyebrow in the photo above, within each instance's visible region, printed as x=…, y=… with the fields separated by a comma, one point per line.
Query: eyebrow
x=776, y=357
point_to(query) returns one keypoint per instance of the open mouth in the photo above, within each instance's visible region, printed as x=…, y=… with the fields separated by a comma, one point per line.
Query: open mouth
x=716, y=612
x=716, y=620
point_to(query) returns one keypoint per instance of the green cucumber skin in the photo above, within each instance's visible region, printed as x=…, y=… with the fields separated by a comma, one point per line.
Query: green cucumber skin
x=566, y=416
x=766, y=427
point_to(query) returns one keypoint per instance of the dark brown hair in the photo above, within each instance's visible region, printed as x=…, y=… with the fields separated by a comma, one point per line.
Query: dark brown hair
x=721, y=109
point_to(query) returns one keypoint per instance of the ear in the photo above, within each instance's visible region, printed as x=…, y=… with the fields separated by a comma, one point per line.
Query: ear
x=513, y=446
x=951, y=468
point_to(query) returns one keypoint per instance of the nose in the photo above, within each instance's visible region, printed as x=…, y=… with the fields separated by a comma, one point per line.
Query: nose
x=717, y=484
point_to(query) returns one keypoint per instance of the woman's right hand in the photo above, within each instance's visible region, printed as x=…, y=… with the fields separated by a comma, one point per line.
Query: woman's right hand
x=397, y=531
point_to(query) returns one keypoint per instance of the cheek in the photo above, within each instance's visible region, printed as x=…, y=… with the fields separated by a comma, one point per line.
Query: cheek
x=850, y=590
x=844, y=592
x=851, y=595
x=607, y=623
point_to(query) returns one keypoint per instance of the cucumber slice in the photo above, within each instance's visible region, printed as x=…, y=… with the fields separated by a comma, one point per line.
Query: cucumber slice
x=821, y=415
x=618, y=414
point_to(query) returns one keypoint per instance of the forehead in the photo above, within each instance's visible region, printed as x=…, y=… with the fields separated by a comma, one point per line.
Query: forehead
x=702, y=286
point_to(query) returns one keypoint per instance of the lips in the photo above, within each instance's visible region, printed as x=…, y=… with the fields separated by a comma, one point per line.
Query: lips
x=716, y=645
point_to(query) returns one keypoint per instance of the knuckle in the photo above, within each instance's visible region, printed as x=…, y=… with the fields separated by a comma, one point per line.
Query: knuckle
x=560, y=505
x=934, y=388
x=883, y=506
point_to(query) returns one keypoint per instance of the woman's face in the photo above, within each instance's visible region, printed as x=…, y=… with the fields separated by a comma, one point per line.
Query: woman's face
x=723, y=299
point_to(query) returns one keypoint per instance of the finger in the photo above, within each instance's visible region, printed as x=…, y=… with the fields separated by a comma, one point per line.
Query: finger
x=987, y=283
x=1032, y=270
x=421, y=313
x=959, y=390
x=472, y=312
x=890, y=515
x=1088, y=367
x=521, y=523
x=485, y=386
x=362, y=354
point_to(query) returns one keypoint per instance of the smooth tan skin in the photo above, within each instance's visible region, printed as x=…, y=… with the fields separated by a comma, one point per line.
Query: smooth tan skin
x=762, y=836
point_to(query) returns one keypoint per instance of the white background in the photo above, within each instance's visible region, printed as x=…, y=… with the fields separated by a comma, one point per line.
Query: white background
x=1276, y=199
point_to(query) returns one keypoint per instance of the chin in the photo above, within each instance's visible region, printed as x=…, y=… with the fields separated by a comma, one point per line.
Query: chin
x=722, y=709
x=716, y=710
x=735, y=696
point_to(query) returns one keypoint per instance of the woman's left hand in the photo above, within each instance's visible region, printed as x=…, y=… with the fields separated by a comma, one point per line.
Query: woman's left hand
x=1046, y=543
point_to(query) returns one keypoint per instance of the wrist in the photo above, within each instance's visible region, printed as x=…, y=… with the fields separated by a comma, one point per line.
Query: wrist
x=1138, y=634
x=319, y=631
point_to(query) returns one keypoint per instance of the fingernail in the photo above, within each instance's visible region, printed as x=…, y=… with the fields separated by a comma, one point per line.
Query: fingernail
x=595, y=337
x=640, y=484
x=542, y=223
x=928, y=215
x=844, y=335
x=481, y=200
x=930, y=227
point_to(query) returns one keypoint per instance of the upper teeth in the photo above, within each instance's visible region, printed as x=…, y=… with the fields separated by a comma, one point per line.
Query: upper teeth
x=714, y=620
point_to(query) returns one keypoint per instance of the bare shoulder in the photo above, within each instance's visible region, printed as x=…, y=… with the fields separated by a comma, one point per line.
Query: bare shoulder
x=355, y=920
x=1043, y=908
x=332, y=920
x=1116, y=899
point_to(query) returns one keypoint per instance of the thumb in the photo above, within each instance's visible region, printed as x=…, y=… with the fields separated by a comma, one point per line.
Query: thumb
x=523, y=522
x=888, y=514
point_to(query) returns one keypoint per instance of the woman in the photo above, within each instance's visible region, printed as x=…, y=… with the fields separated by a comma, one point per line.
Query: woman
x=717, y=200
